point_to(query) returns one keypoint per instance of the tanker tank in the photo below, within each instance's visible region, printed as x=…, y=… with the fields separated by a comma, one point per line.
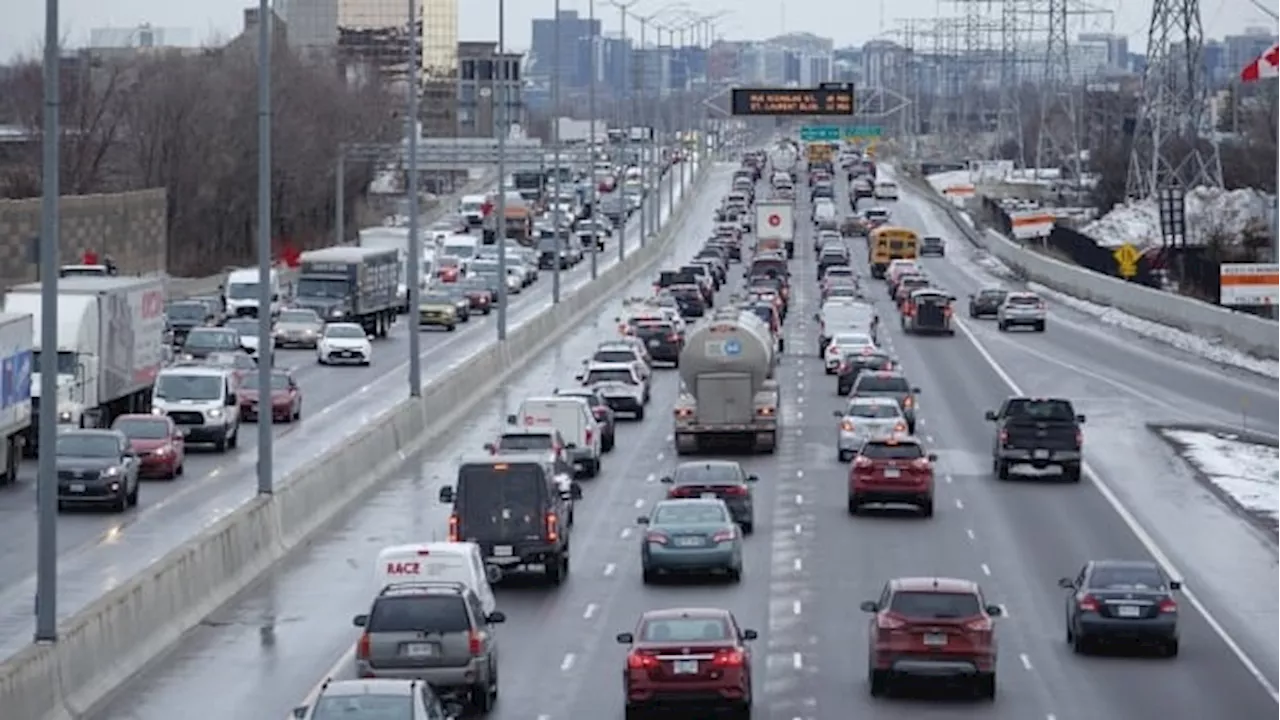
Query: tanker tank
x=784, y=155
x=728, y=392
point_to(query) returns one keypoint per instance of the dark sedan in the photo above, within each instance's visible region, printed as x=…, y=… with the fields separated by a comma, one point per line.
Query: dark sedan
x=1121, y=601
x=96, y=467
x=854, y=364
x=722, y=479
x=986, y=302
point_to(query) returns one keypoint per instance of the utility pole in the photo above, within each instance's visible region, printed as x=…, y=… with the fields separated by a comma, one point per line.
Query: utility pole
x=556, y=216
x=414, y=275
x=624, y=120
x=502, y=119
x=591, y=142
x=646, y=140
x=266, y=27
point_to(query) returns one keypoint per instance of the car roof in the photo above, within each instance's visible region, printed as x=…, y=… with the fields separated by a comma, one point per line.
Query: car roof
x=708, y=464
x=872, y=400
x=689, y=501
x=933, y=584
x=882, y=373
x=343, y=325
x=370, y=686
x=1126, y=564
x=104, y=432
x=538, y=457
x=609, y=366
x=684, y=613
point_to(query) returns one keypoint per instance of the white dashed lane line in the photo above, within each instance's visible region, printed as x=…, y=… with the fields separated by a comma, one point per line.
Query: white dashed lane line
x=609, y=569
x=986, y=569
x=1026, y=661
x=590, y=611
x=959, y=504
x=970, y=533
x=626, y=533
x=639, y=503
x=567, y=664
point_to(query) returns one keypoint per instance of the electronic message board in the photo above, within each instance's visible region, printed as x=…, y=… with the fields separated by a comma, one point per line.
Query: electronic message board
x=793, y=101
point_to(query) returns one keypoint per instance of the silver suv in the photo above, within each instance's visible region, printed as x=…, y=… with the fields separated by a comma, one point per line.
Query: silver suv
x=1021, y=309
x=436, y=632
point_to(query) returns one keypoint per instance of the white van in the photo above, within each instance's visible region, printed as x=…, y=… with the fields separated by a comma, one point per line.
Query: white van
x=471, y=208
x=885, y=190
x=824, y=213
x=463, y=247
x=572, y=418
x=458, y=562
x=240, y=292
x=202, y=403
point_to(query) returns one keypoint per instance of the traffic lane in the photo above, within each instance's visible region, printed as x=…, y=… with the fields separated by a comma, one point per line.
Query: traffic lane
x=1036, y=532
x=103, y=550
x=312, y=595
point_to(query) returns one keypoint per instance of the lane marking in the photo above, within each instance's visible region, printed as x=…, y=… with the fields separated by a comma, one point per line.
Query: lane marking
x=797, y=564
x=959, y=504
x=1148, y=542
x=797, y=661
x=986, y=569
x=799, y=415
x=799, y=499
x=639, y=503
x=590, y=611
x=609, y=569
x=799, y=473
x=969, y=532
x=1026, y=661
x=795, y=607
x=948, y=477
x=626, y=533
x=661, y=455
x=650, y=478
x=798, y=529
x=567, y=663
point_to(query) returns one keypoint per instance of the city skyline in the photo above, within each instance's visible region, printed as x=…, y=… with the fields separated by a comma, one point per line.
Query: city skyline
x=212, y=21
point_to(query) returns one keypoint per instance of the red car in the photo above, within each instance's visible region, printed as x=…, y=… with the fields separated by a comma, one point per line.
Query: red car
x=688, y=657
x=158, y=443
x=932, y=629
x=892, y=470
x=286, y=397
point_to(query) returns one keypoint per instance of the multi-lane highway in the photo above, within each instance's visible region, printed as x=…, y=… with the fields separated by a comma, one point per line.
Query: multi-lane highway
x=100, y=550
x=806, y=568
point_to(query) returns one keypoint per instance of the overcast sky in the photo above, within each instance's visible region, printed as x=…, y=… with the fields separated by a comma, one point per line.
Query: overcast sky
x=848, y=23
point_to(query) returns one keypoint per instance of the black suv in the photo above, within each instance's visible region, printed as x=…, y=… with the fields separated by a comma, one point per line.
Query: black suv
x=515, y=510
x=661, y=339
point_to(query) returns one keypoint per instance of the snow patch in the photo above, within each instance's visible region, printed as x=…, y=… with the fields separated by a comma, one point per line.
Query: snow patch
x=1247, y=472
x=1211, y=212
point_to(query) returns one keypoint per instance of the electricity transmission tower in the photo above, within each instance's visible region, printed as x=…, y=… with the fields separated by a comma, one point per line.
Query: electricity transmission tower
x=1168, y=150
x=1058, y=145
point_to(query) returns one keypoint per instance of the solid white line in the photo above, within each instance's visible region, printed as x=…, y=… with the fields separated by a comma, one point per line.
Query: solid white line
x=590, y=611
x=1144, y=537
x=567, y=663
x=1026, y=661
x=795, y=607
x=969, y=532
x=609, y=568
x=797, y=661
x=986, y=569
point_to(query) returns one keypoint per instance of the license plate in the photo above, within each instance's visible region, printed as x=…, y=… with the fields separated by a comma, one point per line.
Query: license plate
x=689, y=542
x=1129, y=611
x=654, y=343
x=709, y=496
x=1041, y=455
x=685, y=667
x=502, y=551
x=935, y=639
x=892, y=472
x=77, y=487
x=419, y=650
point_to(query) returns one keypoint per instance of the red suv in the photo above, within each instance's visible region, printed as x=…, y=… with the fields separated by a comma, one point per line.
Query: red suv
x=893, y=469
x=932, y=629
x=688, y=658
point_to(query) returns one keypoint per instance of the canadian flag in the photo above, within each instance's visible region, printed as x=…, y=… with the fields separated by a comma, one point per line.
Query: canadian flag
x=1266, y=66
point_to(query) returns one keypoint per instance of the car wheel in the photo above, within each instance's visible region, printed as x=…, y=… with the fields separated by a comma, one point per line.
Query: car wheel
x=842, y=456
x=854, y=505
x=1001, y=326
x=640, y=414
x=179, y=471
x=1040, y=326
x=987, y=686
x=234, y=441
x=121, y=502
x=1080, y=644
x=481, y=700
x=606, y=443
x=220, y=444
x=877, y=682
x=748, y=527
x=735, y=575
x=1170, y=648
x=926, y=507
x=557, y=569
x=1001, y=469
x=649, y=577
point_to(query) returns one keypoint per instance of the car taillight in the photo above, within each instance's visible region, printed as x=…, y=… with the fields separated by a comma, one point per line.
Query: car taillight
x=764, y=411
x=833, y=349
x=723, y=536
x=1079, y=439
x=982, y=625
x=453, y=529
x=887, y=625
x=908, y=401
x=1004, y=437
x=673, y=338
x=844, y=368
x=735, y=490
x=637, y=660
x=900, y=428
x=863, y=463
x=946, y=311
x=1168, y=605
x=591, y=434
x=729, y=658
x=362, y=646
x=600, y=413
x=846, y=425
x=475, y=644
x=655, y=537
x=684, y=412
x=1088, y=603
x=553, y=527
x=921, y=464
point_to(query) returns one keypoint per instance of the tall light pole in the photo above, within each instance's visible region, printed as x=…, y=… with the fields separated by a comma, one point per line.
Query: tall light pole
x=500, y=219
x=591, y=141
x=47, y=423
x=414, y=273
x=646, y=140
x=625, y=114
x=556, y=216
x=266, y=352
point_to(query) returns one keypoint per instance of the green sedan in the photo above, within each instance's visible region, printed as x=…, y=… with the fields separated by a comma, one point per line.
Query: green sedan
x=696, y=536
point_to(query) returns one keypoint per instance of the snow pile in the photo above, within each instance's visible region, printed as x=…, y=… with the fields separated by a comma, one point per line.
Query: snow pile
x=1211, y=212
x=1247, y=473
x=1209, y=348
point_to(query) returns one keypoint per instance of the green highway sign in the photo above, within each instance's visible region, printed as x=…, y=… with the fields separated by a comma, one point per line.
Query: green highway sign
x=863, y=131
x=820, y=133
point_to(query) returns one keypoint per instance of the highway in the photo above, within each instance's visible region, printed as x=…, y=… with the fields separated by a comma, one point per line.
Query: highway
x=98, y=550
x=806, y=568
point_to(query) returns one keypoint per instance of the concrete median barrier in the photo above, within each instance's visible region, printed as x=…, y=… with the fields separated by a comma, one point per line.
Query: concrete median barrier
x=128, y=628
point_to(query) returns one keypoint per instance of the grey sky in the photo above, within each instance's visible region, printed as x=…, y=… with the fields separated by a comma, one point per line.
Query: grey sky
x=857, y=22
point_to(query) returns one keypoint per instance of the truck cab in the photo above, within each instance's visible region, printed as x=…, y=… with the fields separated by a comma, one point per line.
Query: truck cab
x=1037, y=432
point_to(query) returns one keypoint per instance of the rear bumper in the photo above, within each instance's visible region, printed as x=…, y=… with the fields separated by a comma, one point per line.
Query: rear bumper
x=203, y=433
x=688, y=560
x=459, y=677
x=1039, y=459
x=1158, y=628
x=683, y=694
x=935, y=666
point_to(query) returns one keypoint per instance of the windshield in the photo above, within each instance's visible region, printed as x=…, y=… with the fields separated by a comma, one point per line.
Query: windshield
x=1126, y=578
x=67, y=362
x=363, y=707
x=686, y=630
x=187, y=311
x=1023, y=300
x=1040, y=410
x=419, y=614
x=851, y=339
x=472, y=206
x=686, y=513
x=83, y=445
x=526, y=441
x=992, y=294
x=279, y=381
x=322, y=288
x=344, y=331
x=868, y=410
x=883, y=383
x=299, y=317
x=935, y=605
x=436, y=299
x=614, y=356
x=708, y=474
x=609, y=376
x=215, y=339
x=459, y=251
x=244, y=327
x=175, y=386
x=895, y=451
x=243, y=291
x=143, y=428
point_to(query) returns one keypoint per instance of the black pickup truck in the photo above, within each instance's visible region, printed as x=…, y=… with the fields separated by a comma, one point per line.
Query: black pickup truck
x=1040, y=432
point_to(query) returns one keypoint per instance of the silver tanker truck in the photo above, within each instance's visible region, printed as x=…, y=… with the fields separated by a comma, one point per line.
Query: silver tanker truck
x=727, y=387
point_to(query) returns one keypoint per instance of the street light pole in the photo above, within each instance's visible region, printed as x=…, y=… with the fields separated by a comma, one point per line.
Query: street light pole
x=266, y=351
x=500, y=217
x=624, y=118
x=645, y=139
x=556, y=216
x=340, y=196
x=414, y=273
x=591, y=141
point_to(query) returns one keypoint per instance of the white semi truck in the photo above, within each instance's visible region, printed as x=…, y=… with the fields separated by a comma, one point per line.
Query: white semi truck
x=16, y=335
x=728, y=392
x=110, y=346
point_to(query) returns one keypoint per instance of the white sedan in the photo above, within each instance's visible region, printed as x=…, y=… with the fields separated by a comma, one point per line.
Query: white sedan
x=344, y=343
x=845, y=343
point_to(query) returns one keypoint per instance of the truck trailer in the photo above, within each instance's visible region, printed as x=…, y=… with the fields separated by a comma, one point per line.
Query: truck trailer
x=351, y=284
x=110, y=347
x=16, y=336
x=728, y=392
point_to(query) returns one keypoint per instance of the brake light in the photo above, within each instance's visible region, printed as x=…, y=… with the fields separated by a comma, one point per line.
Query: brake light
x=655, y=537
x=553, y=527
x=637, y=660
x=454, y=535
x=1004, y=437
x=921, y=464
x=900, y=428
x=673, y=338
x=590, y=436
x=946, y=311
x=846, y=425
x=1168, y=605
x=844, y=368
x=600, y=413
x=723, y=536
x=982, y=625
x=363, y=647
x=1079, y=439
x=684, y=412
x=1088, y=603
x=729, y=658
x=863, y=462
x=833, y=349
x=908, y=401
x=475, y=644
x=887, y=625
x=765, y=411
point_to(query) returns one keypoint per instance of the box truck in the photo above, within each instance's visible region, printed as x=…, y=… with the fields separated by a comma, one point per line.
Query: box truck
x=351, y=284
x=16, y=335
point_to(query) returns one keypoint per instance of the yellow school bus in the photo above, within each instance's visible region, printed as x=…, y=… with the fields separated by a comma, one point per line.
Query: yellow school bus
x=891, y=243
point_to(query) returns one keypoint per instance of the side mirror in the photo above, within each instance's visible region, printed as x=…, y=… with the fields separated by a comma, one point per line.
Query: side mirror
x=667, y=480
x=575, y=491
x=869, y=606
x=933, y=457
x=300, y=711
x=1066, y=584
x=994, y=610
x=753, y=478
x=579, y=376
x=642, y=520
x=495, y=618
x=991, y=416
x=1080, y=419
x=915, y=391
x=571, y=446
x=490, y=447
x=446, y=494
x=360, y=620
x=750, y=634
x=511, y=419
x=1175, y=584
x=817, y=317
x=177, y=436
x=625, y=638
x=837, y=414
x=231, y=400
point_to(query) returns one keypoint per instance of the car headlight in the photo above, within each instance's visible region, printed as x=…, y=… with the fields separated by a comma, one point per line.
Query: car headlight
x=214, y=413
x=157, y=411
x=111, y=472
x=336, y=312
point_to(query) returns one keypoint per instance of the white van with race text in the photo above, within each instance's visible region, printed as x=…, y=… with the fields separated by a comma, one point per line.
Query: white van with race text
x=458, y=562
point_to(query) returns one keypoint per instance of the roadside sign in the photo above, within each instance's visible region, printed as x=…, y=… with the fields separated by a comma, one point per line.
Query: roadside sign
x=857, y=132
x=775, y=220
x=820, y=133
x=1127, y=257
x=1249, y=284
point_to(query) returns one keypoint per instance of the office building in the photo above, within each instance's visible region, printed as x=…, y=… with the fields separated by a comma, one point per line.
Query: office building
x=142, y=36
x=488, y=83
x=545, y=45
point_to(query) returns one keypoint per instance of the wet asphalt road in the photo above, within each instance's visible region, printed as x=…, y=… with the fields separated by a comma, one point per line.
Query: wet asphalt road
x=98, y=550
x=806, y=568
